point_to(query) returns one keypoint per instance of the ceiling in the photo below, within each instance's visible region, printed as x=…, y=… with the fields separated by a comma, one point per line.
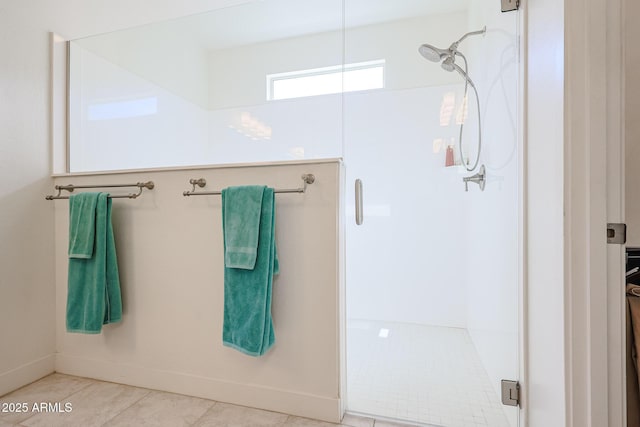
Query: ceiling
x=266, y=20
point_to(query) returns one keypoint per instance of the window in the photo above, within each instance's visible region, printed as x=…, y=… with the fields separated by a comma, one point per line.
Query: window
x=325, y=81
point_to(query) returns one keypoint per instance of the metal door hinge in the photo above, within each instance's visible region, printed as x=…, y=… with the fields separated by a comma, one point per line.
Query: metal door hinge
x=510, y=393
x=617, y=233
x=509, y=5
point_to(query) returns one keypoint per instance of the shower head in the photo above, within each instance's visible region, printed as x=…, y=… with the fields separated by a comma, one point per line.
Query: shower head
x=435, y=54
x=449, y=65
x=432, y=53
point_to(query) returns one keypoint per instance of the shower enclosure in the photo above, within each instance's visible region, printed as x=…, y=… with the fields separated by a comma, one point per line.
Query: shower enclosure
x=433, y=271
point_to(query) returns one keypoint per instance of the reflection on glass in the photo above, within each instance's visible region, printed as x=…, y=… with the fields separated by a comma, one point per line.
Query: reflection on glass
x=446, y=108
x=251, y=127
x=463, y=111
x=297, y=152
x=123, y=109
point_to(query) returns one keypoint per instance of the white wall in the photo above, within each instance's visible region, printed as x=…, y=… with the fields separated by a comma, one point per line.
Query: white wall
x=171, y=269
x=632, y=124
x=27, y=289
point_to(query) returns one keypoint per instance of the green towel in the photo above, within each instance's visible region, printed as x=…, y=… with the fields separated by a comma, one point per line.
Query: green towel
x=248, y=326
x=93, y=296
x=82, y=225
x=241, y=225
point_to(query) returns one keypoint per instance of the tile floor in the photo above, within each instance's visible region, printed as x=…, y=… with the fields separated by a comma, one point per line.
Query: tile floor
x=425, y=374
x=429, y=375
x=97, y=403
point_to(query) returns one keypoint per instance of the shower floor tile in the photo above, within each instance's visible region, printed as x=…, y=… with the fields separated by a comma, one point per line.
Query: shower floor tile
x=426, y=374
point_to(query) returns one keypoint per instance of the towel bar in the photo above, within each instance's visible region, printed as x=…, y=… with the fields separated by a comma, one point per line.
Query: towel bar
x=307, y=178
x=70, y=187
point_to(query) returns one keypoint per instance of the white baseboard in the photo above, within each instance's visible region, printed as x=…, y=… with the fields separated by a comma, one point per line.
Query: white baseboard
x=252, y=395
x=26, y=374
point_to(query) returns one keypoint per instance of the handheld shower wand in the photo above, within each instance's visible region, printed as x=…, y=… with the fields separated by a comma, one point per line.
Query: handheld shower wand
x=450, y=65
x=448, y=58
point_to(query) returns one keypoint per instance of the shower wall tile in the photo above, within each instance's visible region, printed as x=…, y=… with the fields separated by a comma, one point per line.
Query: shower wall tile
x=428, y=374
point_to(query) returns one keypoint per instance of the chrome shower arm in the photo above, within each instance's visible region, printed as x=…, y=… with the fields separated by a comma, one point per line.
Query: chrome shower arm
x=454, y=45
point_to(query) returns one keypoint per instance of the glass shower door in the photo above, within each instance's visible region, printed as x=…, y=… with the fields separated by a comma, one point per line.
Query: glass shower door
x=433, y=271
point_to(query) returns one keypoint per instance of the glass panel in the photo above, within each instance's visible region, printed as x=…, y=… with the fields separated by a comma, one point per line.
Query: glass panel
x=433, y=272
x=192, y=91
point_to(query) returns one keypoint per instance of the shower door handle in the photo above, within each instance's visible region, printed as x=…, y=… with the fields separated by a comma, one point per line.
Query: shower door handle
x=359, y=213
